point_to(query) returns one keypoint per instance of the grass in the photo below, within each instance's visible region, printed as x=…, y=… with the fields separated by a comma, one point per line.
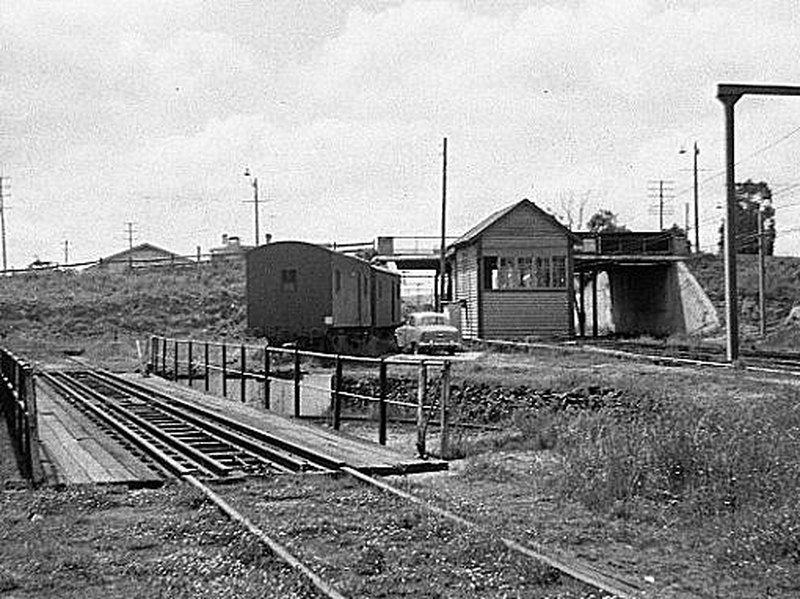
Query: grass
x=781, y=293
x=64, y=305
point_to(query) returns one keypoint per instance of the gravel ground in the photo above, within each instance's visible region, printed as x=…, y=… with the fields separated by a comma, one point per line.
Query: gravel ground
x=371, y=544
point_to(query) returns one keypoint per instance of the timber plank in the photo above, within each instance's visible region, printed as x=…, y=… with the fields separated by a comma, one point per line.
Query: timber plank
x=63, y=453
x=75, y=434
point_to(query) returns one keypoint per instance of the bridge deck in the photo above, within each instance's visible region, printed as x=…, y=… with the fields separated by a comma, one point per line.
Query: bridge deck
x=355, y=452
x=76, y=451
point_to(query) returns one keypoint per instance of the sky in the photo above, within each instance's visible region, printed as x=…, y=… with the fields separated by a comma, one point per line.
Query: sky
x=149, y=111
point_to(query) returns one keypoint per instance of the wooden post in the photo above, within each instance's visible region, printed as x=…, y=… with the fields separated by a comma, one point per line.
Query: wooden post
x=595, y=278
x=582, y=311
x=267, y=365
x=175, y=362
x=382, y=403
x=337, y=394
x=243, y=368
x=445, y=400
x=163, y=356
x=422, y=384
x=206, y=369
x=153, y=353
x=224, y=370
x=296, y=383
x=189, y=357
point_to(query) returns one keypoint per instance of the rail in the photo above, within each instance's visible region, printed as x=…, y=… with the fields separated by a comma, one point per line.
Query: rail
x=270, y=375
x=18, y=404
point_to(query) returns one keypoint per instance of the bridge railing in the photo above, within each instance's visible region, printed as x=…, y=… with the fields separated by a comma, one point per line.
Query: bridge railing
x=308, y=384
x=632, y=243
x=18, y=405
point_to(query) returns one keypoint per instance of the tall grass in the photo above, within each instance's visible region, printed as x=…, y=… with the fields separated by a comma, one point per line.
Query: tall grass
x=734, y=462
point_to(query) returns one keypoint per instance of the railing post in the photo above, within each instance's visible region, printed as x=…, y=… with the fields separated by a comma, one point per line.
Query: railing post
x=191, y=368
x=224, y=370
x=296, y=383
x=267, y=369
x=337, y=394
x=206, y=369
x=422, y=389
x=382, y=415
x=444, y=449
x=28, y=422
x=175, y=362
x=33, y=409
x=153, y=353
x=243, y=368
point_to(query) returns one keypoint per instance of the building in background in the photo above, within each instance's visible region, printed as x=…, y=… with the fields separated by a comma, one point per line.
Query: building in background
x=231, y=249
x=144, y=255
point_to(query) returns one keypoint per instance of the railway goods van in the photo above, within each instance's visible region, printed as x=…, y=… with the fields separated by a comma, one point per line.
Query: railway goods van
x=306, y=294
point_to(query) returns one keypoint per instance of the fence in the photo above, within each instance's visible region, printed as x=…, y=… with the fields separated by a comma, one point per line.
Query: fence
x=18, y=404
x=305, y=384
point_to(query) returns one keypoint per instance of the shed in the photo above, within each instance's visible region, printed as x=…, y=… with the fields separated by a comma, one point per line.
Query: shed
x=144, y=255
x=511, y=276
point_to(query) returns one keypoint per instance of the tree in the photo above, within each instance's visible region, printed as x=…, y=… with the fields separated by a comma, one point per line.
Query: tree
x=573, y=206
x=604, y=221
x=750, y=198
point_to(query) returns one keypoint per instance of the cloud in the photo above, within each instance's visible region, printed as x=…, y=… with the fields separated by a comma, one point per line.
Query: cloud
x=340, y=108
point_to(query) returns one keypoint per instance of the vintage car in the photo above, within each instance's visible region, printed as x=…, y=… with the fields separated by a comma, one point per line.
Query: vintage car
x=428, y=331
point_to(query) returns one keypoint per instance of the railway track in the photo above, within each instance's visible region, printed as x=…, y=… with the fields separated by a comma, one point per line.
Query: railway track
x=178, y=438
x=758, y=361
x=202, y=447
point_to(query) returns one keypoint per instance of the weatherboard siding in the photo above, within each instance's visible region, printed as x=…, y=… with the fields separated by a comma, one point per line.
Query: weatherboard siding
x=517, y=314
x=466, y=289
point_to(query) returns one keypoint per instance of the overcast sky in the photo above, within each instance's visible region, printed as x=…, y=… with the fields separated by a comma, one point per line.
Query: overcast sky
x=149, y=111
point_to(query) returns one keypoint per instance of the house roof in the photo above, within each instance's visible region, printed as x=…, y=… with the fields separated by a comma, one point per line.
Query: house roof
x=146, y=247
x=487, y=222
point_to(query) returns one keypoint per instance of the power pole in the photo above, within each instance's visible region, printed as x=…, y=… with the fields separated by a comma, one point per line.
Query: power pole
x=3, y=222
x=66, y=251
x=254, y=183
x=662, y=192
x=762, y=318
x=696, y=204
x=444, y=229
x=129, y=230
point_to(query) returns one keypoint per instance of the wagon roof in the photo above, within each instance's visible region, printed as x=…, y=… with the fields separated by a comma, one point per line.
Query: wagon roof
x=487, y=222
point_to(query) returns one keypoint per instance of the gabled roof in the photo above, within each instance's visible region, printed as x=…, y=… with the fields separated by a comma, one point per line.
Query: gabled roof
x=142, y=246
x=487, y=222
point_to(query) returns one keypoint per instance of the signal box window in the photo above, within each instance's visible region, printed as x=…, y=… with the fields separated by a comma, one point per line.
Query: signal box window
x=524, y=272
x=289, y=279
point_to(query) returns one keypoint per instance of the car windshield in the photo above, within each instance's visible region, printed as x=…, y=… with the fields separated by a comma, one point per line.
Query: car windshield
x=432, y=319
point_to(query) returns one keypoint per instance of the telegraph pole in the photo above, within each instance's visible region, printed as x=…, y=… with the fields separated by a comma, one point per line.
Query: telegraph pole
x=762, y=318
x=66, y=251
x=662, y=193
x=129, y=230
x=444, y=229
x=3, y=222
x=696, y=204
x=254, y=183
